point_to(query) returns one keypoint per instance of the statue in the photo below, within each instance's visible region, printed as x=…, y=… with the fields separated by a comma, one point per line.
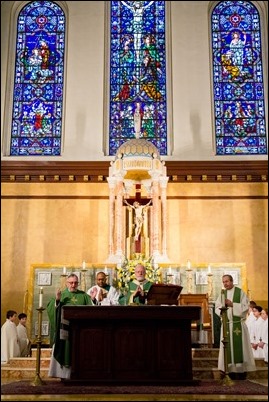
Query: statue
x=138, y=114
x=139, y=215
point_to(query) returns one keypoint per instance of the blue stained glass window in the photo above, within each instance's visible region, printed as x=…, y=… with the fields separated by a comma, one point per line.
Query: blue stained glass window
x=238, y=79
x=137, y=73
x=38, y=86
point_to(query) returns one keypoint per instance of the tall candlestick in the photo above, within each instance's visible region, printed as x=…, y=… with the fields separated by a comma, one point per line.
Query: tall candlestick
x=64, y=270
x=40, y=297
x=222, y=298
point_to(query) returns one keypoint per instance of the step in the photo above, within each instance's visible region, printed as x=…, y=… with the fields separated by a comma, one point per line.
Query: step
x=28, y=362
x=208, y=352
x=259, y=362
x=21, y=373
x=204, y=364
x=44, y=352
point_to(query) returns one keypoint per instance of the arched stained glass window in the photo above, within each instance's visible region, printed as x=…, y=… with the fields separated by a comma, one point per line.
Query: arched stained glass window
x=138, y=98
x=238, y=79
x=38, y=83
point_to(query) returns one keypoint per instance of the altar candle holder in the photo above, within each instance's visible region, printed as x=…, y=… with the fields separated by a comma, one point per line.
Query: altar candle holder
x=226, y=380
x=210, y=286
x=63, y=281
x=38, y=380
x=83, y=277
x=189, y=279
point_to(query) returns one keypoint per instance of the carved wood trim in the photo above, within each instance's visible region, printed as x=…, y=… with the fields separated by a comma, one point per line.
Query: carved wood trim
x=94, y=172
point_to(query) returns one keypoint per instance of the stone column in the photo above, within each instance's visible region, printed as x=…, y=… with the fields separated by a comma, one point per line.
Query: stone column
x=155, y=217
x=112, y=185
x=163, y=185
x=119, y=218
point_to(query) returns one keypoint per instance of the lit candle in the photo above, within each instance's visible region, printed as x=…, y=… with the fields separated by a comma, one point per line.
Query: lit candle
x=64, y=270
x=170, y=270
x=40, y=297
x=106, y=271
x=189, y=264
x=84, y=265
x=209, y=269
x=222, y=298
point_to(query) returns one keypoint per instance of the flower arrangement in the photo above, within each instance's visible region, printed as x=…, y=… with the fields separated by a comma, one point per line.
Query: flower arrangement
x=125, y=271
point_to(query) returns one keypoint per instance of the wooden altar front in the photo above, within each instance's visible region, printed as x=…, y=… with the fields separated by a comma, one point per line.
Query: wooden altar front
x=131, y=344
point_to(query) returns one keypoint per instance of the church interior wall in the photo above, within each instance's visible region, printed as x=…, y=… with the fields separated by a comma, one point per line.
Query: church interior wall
x=66, y=223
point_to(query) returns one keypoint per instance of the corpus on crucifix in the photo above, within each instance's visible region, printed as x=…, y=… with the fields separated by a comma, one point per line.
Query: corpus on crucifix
x=139, y=215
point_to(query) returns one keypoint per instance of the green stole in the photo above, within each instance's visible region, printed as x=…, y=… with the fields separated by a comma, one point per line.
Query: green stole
x=237, y=332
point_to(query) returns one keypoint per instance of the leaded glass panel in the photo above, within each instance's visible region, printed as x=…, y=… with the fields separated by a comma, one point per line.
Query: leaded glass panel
x=137, y=74
x=38, y=86
x=238, y=79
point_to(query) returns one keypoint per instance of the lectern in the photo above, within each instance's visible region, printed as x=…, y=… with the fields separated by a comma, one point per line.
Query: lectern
x=131, y=344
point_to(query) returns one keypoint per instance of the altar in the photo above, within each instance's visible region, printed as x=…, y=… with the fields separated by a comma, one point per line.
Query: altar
x=131, y=344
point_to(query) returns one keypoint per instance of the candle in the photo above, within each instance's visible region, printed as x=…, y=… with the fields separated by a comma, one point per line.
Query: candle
x=40, y=297
x=84, y=265
x=209, y=269
x=189, y=264
x=170, y=271
x=222, y=298
x=106, y=271
x=64, y=270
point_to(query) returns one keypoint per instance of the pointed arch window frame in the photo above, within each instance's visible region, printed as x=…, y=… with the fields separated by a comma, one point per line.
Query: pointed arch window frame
x=261, y=9
x=106, y=110
x=16, y=9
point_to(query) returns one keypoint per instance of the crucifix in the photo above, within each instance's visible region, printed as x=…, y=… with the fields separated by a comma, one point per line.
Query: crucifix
x=139, y=206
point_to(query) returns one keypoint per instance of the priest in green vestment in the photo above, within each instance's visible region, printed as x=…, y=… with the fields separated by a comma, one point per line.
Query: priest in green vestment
x=60, y=363
x=137, y=288
x=239, y=353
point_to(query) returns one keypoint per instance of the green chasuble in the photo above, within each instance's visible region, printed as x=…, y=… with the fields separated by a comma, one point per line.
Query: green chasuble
x=59, y=328
x=132, y=286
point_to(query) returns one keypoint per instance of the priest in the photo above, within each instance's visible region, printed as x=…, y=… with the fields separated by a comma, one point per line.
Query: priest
x=60, y=363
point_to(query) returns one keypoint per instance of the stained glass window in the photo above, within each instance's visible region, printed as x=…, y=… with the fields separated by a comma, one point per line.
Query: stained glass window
x=38, y=83
x=238, y=79
x=138, y=100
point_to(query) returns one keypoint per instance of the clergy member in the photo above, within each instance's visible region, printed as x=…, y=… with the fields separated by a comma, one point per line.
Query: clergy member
x=138, y=288
x=240, y=356
x=60, y=363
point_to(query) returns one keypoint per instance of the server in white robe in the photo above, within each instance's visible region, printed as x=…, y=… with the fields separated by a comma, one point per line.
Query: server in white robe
x=9, y=338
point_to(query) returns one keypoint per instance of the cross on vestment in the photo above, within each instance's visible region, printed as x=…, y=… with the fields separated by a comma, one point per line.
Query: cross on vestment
x=74, y=299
